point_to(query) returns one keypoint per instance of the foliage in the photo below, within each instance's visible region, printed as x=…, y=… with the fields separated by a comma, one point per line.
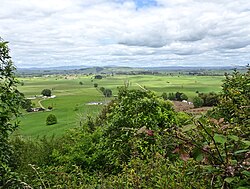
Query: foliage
x=10, y=102
x=107, y=92
x=221, y=149
x=51, y=119
x=26, y=104
x=235, y=100
x=46, y=92
x=183, y=97
x=80, y=83
x=102, y=89
x=134, y=116
x=164, y=96
x=198, y=102
x=210, y=99
x=177, y=96
x=171, y=96
x=222, y=145
x=95, y=85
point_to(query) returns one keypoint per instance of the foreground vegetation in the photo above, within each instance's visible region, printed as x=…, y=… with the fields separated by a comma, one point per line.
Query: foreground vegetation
x=137, y=141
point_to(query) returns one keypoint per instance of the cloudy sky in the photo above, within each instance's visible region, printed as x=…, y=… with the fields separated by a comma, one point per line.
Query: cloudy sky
x=48, y=33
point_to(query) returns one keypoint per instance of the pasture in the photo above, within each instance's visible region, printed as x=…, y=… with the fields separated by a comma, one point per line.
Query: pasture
x=70, y=105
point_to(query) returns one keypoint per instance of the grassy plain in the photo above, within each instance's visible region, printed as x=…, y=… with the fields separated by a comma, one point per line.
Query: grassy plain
x=70, y=105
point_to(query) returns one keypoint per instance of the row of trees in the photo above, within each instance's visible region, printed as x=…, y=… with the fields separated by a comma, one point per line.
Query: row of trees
x=174, y=96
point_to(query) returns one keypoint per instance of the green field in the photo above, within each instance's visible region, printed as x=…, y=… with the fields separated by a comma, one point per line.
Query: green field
x=70, y=105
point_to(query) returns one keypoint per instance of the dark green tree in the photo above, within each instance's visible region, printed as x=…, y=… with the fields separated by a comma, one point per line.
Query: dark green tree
x=46, y=92
x=10, y=104
x=183, y=97
x=102, y=89
x=107, y=92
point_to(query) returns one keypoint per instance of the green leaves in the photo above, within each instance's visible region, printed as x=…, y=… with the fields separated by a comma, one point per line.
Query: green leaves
x=218, y=138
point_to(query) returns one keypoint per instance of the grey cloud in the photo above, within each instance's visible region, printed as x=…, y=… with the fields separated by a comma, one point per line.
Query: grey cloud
x=99, y=32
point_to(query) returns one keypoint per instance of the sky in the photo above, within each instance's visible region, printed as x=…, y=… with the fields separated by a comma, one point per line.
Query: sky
x=136, y=33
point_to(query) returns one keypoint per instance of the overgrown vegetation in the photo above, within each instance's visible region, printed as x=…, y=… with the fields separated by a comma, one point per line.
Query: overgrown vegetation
x=10, y=102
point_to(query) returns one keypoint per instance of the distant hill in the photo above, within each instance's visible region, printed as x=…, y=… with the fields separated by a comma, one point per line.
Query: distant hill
x=121, y=70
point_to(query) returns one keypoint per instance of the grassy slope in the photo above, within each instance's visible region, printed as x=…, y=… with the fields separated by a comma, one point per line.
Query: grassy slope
x=70, y=94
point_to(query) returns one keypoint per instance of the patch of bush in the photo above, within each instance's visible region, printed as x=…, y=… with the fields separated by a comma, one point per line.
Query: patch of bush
x=51, y=119
x=198, y=102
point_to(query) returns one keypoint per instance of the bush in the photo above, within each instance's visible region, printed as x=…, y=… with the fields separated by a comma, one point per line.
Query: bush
x=95, y=85
x=46, y=92
x=50, y=107
x=51, y=119
x=198, y=102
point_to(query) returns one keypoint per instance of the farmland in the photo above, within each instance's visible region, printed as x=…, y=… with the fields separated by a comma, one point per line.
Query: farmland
x=71, y=103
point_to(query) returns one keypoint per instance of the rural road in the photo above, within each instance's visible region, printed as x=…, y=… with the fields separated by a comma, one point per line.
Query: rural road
x=39, y=102
x=141, y=87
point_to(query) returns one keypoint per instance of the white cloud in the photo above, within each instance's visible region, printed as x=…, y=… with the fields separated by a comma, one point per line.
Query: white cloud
x=116, y=32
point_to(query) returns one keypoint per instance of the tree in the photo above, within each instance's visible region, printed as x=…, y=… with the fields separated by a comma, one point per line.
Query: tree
x=10, y=104
x=95, y=85
x=178, y=96
x=210, y=99
x=107, y=92
x=171, y=96
x=51, y=119
x=46, y=92
x=133, y=116
x=27, y=105
x=98, y=77
x=183, y=97
x=80, y=83
x=102, y=89
x=198, y=102
x=235, y=99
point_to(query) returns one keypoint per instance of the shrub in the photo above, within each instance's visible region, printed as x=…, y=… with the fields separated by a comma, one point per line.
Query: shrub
x=198, y=102
x=51, y=119
x=95, y=85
